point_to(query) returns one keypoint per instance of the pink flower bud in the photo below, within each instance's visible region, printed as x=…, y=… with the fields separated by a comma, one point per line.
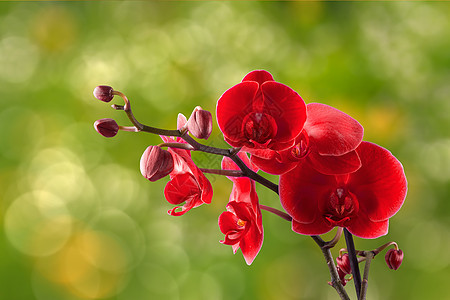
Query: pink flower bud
x=106, y=127
x=200, y=123
x=104, y=93
x=156, y=163
x=394, y=258
x=343, y=263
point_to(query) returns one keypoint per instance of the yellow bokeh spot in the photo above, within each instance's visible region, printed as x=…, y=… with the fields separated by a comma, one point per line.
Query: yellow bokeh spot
x=92, y=265
x=54, y=29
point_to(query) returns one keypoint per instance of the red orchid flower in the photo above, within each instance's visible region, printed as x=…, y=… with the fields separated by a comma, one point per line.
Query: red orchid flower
x=362, y=201
x=242, y=222
x=328, y=141
x=260, y=113
x=187, y=182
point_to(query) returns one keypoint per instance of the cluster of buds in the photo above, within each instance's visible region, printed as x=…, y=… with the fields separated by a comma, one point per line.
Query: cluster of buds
x=329, y=176
x=393, y=258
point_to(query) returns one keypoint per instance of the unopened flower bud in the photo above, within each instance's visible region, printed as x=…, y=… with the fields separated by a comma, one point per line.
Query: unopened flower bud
x=394, y=258
x=343, y=263
x=104, y=93
x=200, y=123
x=156, y=163
x=106, y=127
x=342, y=276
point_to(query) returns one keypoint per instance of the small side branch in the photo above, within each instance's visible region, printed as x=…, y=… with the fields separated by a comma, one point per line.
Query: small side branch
x=335, y=281
x=231, y=173
x=365, y=281
x=196, y=146
x=336, y=238
x=277, y=212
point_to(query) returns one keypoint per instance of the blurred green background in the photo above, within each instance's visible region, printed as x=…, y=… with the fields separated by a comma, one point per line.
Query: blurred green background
x=78, y=221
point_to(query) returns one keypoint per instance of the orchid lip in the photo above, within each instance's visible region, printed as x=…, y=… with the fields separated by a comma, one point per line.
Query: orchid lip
x=259, y=127
x=340, y=207
x=302, y=148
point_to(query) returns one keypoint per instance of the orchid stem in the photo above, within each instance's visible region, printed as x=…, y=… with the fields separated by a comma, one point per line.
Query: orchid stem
x=232, y=173
x=335, y=281
x=277, y=212
x=231, y=153
x=177, y=145
x=369, y=255
x=128, y=128
x=336, y=238
x=381, y=248
x=353, y=261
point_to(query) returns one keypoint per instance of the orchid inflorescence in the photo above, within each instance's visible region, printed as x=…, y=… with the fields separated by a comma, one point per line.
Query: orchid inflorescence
x=329, y=176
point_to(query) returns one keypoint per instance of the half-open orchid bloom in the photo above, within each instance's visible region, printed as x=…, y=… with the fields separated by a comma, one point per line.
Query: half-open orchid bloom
x=362, y=201
x=242, y=222
x=260, y=113
x=187, y=183
x=328, y=141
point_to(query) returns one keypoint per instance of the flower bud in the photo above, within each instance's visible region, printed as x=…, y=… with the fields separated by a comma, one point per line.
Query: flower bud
x=156, y=163
x=343, y=263
x=394, y=258
x=200, y=123
x=104, y=93
x=106, y=127
x=342, y=276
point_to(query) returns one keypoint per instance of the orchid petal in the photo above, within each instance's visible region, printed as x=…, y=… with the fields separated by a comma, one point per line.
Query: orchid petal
x=332, y=131
x=286, y=107
x=300, y=190
x=260, y=76
x=380, y=184
x=319, y=226
x=273, y=166
x=334, y=165
x=364, y=228
x=233, y=106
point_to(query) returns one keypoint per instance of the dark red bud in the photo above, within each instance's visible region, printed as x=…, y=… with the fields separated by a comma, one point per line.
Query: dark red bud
x=343, y=263
x=156, y=163
x=342, y=276
x=394, y=258
x=106, y=127
x=200, y=123
x=104, y=93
